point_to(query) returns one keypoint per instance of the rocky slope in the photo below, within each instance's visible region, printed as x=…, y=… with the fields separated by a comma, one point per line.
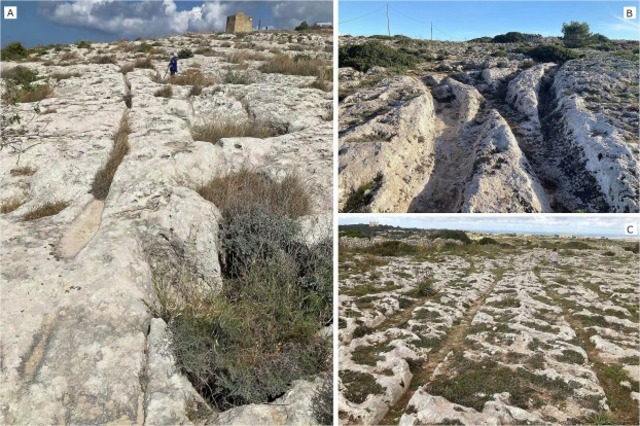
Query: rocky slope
x=490, y=334
x=79, y=344
x=479, y=127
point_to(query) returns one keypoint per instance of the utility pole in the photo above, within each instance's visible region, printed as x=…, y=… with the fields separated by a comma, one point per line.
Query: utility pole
x=259, y=24
x=431, y=30
x=388, y=24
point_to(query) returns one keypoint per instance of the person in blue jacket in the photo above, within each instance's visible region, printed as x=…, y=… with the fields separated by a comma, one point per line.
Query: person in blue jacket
x=173, y=64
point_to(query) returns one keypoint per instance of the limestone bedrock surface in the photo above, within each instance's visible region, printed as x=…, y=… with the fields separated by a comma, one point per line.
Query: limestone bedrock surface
x=79, y=345
x=484, y=129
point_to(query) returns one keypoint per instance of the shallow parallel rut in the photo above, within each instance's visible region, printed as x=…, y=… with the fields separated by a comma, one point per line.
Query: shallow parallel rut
x=454, y=339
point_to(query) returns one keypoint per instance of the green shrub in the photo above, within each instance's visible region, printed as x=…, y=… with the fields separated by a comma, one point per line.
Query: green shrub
x=144, y=48
x=449, y=234
x=424, y=288
x=486, y=240
x=353, y=234
x=510, y=37
x=19, y=89
x=20, y=75
x=362, y=57
x=248, y=342
x=481, y=40
x=600, y=39
x=185, y=54
x=550, y=53
x=14, y=52
x=576, y=34
x=83, y=45
x=304, y=26
x=576, y=245
x=322, y=403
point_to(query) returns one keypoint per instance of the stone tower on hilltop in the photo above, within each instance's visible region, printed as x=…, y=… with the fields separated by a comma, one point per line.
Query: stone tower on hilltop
x=239, y=23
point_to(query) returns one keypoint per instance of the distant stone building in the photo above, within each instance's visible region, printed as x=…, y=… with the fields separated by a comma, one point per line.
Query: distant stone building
x=374, y=224
x=239, y=23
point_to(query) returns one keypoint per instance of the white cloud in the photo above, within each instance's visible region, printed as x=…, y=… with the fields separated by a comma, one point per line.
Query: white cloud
x=140, y=19
x=289, y=14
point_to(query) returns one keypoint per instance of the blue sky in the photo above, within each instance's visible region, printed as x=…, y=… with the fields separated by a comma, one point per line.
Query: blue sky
x=48, y=22
x=462, y=20
x=587, y=225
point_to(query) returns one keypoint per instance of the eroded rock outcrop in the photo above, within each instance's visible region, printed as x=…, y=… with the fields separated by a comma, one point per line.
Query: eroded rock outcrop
x=572, y=129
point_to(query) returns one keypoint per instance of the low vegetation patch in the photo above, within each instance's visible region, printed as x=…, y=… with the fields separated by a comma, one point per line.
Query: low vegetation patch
x=23, y=171
x=64, y=75
x=14, y=52
x=297, y=65
x=237, y=77
x=323, y=80
x=11, y=204
x=358, y=386
x=185, y=54
x=164, y=92
x=360, y=198
x=19, y=87
x=49, y=209
x=240, y=56
x=216, y=129
x=370, y=354
x=391, y=248
x=476, y=382
x=233, y=192
x=363, y=57
x=146, y=63
x=550, y=53
x=104, y=59
x=104, y=176
x=249, y=341
x=190, y=77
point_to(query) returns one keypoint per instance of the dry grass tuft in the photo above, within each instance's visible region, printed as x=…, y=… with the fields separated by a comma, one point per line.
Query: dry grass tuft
x=207, y=51
x=69, y=56
x=34, y=93
x=49, y=209
x=195, y=91
x=64, y=75
x=299, y=65
x=235, y=191
x=237, y=77
x=165, y=92
x=216, y=130
x=105, y=59
x=190, y=77
x=104, y=176
x=127, y=68
x=145, y=63
x=323, y=80
x=22, y=171
x=7, y=206
x=240, y=56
